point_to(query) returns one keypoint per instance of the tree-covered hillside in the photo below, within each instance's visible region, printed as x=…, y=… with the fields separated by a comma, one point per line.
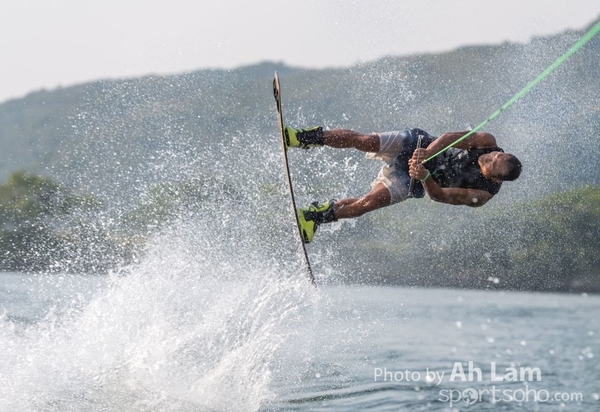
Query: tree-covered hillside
x=551, y=243
x=112, y=138
x=147, y=148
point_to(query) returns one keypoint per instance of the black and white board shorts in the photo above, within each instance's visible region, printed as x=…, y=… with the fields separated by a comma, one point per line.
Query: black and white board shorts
x=396, y=148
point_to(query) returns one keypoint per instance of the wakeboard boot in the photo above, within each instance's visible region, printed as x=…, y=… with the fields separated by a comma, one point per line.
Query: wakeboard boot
x=303, y=138
x=311, y=217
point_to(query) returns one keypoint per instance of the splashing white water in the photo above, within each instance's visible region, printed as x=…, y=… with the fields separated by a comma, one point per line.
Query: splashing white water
x=195, y=326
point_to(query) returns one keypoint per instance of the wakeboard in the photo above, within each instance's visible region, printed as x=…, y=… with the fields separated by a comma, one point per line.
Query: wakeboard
x=294, y=210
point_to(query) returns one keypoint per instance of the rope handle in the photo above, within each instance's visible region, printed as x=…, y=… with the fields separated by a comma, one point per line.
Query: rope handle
x=412, y=181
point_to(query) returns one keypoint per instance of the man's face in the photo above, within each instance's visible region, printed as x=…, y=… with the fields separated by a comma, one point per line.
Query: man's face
x=496, y=164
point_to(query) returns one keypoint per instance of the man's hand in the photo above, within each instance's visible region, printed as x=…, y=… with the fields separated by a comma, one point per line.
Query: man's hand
x=415, y=169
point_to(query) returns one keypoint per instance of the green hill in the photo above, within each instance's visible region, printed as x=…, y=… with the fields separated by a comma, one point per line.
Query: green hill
x=112, y=137
x=549, y=244
x=125, y=141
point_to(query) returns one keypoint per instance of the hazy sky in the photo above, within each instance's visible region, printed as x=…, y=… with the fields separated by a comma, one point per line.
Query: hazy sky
x=47, y=43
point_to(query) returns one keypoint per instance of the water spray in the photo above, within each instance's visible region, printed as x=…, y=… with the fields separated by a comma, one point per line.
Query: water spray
x=578, y=45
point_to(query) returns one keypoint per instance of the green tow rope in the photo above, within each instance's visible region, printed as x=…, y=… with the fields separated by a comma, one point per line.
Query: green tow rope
x=586, y=37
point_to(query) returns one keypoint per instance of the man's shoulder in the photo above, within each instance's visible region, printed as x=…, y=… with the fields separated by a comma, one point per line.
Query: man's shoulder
x=486, y=140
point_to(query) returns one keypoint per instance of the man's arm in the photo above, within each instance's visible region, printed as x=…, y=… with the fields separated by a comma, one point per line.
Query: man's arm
x=456, y=195
x=475, y=141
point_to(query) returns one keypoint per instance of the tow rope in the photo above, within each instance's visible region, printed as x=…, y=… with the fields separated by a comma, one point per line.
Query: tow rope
x=578, y=45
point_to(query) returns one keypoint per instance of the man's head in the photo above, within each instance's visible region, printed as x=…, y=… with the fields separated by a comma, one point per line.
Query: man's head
x=501, y=166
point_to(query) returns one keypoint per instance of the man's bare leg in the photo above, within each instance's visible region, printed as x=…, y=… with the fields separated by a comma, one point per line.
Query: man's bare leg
x=342, y=138
x=379, y=196
x=349, y=208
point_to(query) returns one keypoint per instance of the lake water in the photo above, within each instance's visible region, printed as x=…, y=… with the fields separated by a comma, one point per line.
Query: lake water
x=172, y=340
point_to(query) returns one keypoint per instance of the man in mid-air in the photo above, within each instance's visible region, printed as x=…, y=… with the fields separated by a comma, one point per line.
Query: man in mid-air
x=470, y=173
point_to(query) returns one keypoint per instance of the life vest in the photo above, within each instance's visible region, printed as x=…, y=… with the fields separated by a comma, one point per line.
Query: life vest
x=460, y=168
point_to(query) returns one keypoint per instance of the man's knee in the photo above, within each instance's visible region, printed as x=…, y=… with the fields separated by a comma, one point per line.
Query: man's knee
x=369, y=143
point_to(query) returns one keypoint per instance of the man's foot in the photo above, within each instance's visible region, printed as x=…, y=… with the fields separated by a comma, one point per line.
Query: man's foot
x=304, y=138
x=311, y=217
